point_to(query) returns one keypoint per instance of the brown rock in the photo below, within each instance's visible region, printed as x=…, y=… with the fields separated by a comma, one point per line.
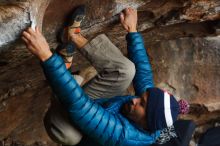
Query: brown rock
x=182, y=37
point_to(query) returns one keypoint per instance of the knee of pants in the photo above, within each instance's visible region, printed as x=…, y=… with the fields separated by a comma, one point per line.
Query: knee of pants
x=128, y=72
x=61, y=132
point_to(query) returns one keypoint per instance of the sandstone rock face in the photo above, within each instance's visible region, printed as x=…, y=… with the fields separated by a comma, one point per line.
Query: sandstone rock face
x=182, y=37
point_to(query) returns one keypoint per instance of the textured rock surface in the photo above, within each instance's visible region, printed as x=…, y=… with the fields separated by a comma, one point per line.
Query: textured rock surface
x=15, y=16
x=184, y=48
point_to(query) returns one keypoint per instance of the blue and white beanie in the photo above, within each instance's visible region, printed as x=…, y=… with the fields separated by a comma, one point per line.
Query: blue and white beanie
x=162, y=109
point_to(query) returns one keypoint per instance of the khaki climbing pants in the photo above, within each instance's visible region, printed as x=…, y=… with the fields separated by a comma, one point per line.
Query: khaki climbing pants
x=115, y=73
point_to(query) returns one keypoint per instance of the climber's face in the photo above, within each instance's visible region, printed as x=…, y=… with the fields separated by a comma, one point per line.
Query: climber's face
x=135, y=110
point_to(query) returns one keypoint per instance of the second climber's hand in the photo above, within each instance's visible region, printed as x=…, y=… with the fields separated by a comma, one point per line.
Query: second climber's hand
x=128, y=19
x=36, y=43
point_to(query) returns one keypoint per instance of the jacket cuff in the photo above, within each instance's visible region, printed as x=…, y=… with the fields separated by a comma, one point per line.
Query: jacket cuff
x=54, y=61
x=131, y=36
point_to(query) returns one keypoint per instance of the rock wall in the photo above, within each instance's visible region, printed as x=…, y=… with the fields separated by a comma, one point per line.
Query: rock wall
x=182, y=37
x=16, y=16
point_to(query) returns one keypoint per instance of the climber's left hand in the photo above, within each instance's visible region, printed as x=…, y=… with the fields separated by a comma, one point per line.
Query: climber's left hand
x=36, y=43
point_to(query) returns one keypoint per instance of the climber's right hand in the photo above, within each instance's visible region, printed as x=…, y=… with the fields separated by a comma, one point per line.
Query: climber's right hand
x=128, y=19
x=36, y=43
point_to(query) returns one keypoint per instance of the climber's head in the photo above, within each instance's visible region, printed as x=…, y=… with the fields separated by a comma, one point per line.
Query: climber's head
x=154, y=110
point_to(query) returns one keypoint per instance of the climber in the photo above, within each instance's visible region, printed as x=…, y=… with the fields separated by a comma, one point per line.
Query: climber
x=98, y=109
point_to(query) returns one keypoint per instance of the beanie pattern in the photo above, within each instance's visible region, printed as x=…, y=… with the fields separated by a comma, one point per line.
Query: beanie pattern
x=166, y=135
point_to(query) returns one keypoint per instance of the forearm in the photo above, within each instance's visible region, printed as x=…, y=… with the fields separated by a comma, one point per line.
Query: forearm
x=137, y=54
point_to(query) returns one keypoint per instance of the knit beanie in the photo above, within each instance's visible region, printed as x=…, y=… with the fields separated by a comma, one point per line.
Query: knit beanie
x=163, y=109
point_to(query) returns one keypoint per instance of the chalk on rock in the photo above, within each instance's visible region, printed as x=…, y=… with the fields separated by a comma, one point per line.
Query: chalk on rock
x=33, y=24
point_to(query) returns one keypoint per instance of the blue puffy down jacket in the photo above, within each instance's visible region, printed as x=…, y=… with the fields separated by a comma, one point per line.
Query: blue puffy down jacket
x=103, y=123
x=143, y=78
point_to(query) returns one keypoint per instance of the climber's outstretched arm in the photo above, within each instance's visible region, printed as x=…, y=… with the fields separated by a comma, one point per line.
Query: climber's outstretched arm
x=136, y=52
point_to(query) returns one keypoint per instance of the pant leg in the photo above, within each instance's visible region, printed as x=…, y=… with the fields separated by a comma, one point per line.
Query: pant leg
x=58, y=125
x=115, y=71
